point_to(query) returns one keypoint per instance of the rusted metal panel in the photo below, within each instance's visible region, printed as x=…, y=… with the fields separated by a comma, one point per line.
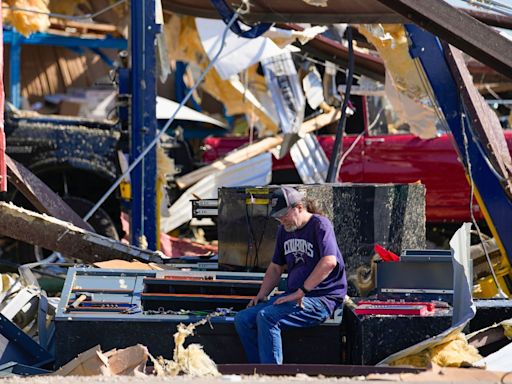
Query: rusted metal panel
x=41, y=196
x=460, y=30
x=71, y=241
x=296, y=11
x=483, y=120
x=491, y=18
x=310, y=369
x=368, y=11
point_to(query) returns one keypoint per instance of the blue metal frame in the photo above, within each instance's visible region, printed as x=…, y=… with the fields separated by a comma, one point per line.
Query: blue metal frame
x=16, y=40
x=40, y=38
x=18, y=346
x=143, y=122
x=496, y=203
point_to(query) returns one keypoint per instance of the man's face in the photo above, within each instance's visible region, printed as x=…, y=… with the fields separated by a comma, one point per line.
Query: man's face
x=290, y=220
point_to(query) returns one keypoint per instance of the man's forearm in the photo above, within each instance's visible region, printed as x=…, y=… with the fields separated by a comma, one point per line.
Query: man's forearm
x=321, y=271
x=271, y=279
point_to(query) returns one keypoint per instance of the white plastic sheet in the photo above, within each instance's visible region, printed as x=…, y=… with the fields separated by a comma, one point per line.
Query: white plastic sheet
x=239, y=53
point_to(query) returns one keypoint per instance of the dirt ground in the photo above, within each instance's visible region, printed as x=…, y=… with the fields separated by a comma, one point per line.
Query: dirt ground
x=300, y=378
x=176, y=380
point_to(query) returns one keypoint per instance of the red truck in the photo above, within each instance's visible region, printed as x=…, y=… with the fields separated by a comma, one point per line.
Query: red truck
x=380, y=156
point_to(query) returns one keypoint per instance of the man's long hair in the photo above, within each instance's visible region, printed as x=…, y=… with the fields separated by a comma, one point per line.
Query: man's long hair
x=312, y=207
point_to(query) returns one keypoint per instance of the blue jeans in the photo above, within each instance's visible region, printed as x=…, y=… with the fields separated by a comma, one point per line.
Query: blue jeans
x=259, y=327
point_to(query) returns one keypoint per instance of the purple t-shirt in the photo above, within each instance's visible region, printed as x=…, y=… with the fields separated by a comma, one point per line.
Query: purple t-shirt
x=302, y=249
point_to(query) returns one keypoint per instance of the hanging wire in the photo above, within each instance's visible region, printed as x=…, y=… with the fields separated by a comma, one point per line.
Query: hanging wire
x=322, y=63
x=66, y=17
x=501, y=294
x=167, y=125
x=356, y=140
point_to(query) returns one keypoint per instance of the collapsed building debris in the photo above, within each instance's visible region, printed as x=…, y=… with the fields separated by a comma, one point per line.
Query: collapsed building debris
x=26, y=325
x=129, y=361
x=85, y=300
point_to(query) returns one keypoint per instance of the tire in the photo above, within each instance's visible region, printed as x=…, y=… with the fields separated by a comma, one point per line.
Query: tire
x=100, y=221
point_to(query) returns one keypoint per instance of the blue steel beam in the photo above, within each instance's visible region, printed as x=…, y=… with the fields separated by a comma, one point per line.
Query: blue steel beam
x=39, y=38
x=15, y=68
x=143, y=122
x=491, y=195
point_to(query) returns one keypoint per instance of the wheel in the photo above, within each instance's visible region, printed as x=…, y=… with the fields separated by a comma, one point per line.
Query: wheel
x=100, y=221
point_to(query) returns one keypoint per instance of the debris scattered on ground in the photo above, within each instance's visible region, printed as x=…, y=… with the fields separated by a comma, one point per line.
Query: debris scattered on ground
x=191, y=360
x=130, y=361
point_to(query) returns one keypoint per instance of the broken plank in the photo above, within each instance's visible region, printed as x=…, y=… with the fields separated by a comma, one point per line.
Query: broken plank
x=252, y=150
x=81, y=27
x=66, y=238
x=41, y=196
x=88, y=363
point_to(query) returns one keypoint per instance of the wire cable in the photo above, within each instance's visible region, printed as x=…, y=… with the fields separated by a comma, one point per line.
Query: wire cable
x=354, y=143
x=322, y=63
x=166, y=126
x=501, y=294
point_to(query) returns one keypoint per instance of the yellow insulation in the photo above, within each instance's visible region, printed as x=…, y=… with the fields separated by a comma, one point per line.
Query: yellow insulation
x=507, y=330
x=454, y=352
x=184, y=45
x=67, y=7
x=191, y=360
x=390, y=40
x=27, y=22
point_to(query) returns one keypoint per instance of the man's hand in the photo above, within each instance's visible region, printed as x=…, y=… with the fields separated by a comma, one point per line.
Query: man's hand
x=256, y=299
x=295, y=296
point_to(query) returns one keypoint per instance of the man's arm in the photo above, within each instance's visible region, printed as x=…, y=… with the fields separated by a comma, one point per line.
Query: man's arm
x=324, y=267
x=270, y=281
x=319, y=274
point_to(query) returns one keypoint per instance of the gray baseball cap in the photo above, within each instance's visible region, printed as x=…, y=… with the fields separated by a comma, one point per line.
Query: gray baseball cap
x=282, y=199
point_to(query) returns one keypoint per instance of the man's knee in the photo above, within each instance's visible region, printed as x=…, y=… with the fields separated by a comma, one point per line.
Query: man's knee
x=265, y=316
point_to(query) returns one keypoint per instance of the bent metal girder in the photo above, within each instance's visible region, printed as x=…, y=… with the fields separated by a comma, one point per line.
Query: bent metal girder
x=458, y=103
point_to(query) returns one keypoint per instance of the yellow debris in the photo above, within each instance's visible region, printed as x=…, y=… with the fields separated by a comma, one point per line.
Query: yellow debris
x=165, y=165
x=405, y=86
x=27, y=22
x=67, y=7
x=453, y=352
x=390, y=40
x=507, y=330
x=191, y=360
